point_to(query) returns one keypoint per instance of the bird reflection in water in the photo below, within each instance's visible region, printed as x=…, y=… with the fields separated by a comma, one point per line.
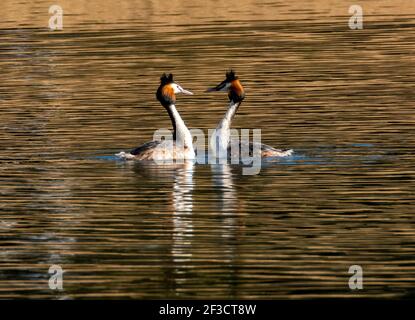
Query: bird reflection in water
x=182, y=215
x=179, y=259
x=227, y=197
x=225, y=231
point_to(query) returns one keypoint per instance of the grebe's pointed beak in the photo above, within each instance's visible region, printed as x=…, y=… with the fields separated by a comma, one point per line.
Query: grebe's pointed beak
x=181, y=90
x=186, y=91
x=223, y=86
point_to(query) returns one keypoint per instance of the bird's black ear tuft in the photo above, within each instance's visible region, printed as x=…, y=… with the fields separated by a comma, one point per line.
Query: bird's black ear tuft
x=165, y=79
x=230, y=75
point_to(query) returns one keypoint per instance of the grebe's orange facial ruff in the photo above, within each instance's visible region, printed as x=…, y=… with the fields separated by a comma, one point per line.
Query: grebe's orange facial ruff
x=166, y=93
x=231, y=84
x=236, y=92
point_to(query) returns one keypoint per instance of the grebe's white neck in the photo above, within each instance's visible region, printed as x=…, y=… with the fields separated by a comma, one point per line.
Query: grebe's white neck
x=229, y=115
x=182, y=134
x=220, y=139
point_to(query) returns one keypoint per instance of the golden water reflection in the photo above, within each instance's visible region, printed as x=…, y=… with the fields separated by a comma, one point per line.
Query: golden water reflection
x=342, y=99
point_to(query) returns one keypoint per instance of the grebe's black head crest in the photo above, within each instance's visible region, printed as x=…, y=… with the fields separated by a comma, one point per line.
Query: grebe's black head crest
x=165, y=79
x=166, y=93
x=230, y=75
x=232, y=85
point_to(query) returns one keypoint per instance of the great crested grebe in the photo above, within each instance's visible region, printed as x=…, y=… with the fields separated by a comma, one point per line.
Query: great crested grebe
x=221, y=138
x=182, y=145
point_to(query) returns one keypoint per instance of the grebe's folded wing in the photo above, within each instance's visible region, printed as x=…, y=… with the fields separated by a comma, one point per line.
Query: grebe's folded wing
x=146, y=147
x=266, y=150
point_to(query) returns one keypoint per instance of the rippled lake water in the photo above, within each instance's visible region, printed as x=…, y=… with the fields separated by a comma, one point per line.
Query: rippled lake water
x=341, y=98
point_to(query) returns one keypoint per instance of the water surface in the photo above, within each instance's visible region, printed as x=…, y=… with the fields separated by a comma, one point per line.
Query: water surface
x=342, y=99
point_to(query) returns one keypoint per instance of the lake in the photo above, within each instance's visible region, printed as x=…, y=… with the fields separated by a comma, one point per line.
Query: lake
x=342, y=99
